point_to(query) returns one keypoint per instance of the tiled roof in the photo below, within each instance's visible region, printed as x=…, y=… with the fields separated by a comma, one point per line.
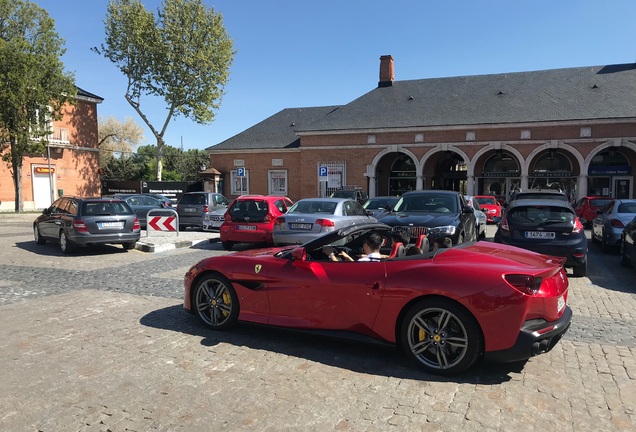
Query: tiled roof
x=583, y=93
x=275, y=132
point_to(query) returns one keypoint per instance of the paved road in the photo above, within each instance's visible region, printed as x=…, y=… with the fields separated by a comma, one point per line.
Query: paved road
x=99, y=342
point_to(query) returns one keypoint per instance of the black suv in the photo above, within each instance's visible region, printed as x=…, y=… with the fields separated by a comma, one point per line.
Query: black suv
x=436, y=213
x=74, y=221
x=351, y=192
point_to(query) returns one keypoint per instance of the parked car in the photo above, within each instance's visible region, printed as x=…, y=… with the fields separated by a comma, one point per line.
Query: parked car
x=609, y=224
x=554, y=194
x=435, y=213
x=250, y=219
x=351, y=192
x=168, y=202
x=380, y=206
x=545, y=226
x=193, y=206
x=628, y=244
x=74, y=221
x=309, y=218
x=446, y=309
x=213, y=219
x=587, y=208
x=490, y=205
x=141, y=204
x=480, y=215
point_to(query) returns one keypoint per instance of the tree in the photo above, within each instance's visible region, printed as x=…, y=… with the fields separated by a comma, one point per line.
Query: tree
x=34, y=86
x=115, y=137
x=182, y=55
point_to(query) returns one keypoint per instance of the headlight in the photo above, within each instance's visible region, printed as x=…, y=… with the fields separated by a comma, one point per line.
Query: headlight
x=442, y=230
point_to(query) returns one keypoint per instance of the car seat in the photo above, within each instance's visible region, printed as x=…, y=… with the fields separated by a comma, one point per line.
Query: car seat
x=397, y=250
x=422, y=243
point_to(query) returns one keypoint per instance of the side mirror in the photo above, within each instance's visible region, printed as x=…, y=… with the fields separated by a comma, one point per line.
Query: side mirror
x=299, y=254
x=46, y=211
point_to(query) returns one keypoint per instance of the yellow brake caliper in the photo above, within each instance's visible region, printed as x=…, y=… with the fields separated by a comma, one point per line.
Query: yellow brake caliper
x=227, y=300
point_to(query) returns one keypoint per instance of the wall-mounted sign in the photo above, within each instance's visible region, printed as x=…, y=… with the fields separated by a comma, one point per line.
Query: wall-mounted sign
x=44, y=170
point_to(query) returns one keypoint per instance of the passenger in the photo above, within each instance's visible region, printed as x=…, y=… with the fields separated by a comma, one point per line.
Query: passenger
x=370, y=247
x=442, y=243
x=413, y=250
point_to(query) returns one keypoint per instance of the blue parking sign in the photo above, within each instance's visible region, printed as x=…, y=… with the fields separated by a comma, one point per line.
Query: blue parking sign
x=322, y=171
x=240, y=172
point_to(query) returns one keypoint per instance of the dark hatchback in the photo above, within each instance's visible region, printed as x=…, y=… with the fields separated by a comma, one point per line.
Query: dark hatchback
x=546, y=226
x=628, y=244
x=435, y=213
x=73, y=221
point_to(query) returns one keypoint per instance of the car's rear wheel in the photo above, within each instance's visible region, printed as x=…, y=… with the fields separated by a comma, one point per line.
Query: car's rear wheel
x=65, y=244
x=580, y=270
x=604, y=245
x=38, y=238
x=441, y=336
x=624, y=260
x=227, y=245
x=460, y=239
x=130, y=245
x=215, y=302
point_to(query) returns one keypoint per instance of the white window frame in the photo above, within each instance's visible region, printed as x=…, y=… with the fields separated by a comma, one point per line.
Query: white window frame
x=239, y=185
x=275, y=187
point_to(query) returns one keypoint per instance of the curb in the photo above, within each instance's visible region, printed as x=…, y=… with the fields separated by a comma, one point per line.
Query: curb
x=151, y=247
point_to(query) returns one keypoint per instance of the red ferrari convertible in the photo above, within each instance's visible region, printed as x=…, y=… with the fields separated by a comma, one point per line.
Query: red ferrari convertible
x=446, y=309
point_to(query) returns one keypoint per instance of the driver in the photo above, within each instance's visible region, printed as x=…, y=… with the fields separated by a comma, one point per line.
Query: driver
x=370, y=248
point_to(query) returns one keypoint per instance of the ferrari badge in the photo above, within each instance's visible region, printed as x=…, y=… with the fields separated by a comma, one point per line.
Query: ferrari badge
x=257, y=268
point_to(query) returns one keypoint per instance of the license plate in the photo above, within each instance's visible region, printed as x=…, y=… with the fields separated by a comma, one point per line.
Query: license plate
x=300, y=226
x=539, y=235
x=246, y=227
x=560, y=303
x=216, y=223
x=190, y=210
x=102, y=225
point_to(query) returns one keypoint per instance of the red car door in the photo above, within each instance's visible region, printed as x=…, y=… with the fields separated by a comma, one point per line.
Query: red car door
x=325, y=294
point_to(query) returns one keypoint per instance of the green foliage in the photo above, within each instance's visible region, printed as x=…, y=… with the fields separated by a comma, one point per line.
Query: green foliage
x=35, y=86
x=182, y=55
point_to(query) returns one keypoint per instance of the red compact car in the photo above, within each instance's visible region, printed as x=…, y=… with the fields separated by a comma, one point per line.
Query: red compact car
x=506, y=303
x=490, y=205
x=587, y=208
x=250, y=219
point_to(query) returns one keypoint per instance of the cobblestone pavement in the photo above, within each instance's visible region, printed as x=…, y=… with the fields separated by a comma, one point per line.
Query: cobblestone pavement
x=99, y=341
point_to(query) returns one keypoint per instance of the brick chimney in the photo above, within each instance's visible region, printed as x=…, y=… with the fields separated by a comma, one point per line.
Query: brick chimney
x=386, y=71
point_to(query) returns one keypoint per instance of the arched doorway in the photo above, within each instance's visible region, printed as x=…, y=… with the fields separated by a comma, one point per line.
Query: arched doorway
x=396, y=174
x=501, y=174
x=610, y=174
x=449, y=172
x=553, y=169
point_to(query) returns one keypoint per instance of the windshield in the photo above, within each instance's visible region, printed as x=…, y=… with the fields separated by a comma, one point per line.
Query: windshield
x=540, y=214
x=433, y=203
x=323, y=207
x=379, y=203
x=486, y=200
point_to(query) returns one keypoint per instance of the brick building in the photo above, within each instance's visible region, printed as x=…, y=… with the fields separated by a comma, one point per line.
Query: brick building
x=573, y=129
x=69, y=165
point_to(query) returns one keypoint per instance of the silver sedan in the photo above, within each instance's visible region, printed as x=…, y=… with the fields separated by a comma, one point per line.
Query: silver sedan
x=310, y=218
x=609, y=224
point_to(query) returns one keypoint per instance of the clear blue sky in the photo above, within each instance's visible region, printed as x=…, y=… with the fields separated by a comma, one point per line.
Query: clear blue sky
x=303, y=53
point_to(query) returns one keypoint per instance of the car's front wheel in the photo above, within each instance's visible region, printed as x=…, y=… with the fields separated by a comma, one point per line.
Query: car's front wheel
x=65, y=244
x=38, y=238
x=624, y=260
x=215, y=302
x=441, y=336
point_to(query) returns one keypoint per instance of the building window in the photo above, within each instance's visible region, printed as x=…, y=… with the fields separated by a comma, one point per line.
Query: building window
x=277, y=182
x=240, y=184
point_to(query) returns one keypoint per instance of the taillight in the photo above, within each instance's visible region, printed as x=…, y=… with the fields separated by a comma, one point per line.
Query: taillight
x=136, y=225
x=616, y=223
x=524, y=283
x=503, y=224
x=325, y=222
x=578, y=226
x=79, y=226
x=279, y=221
x=206, y=209
x=267, y=218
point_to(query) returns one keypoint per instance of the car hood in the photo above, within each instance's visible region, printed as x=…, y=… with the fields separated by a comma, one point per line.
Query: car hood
x=428, y=220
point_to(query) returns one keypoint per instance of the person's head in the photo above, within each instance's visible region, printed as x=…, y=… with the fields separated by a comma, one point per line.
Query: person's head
x=400, y=236
x=413, y=250
x=373, y=242
x=442, y=243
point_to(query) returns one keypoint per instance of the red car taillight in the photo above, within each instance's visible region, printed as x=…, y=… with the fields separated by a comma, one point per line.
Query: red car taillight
x=267, y=218
x=136, y=225
x=279, y=221
x=503, y=224
x=325, y=222
x=616, y=223
x=206, y=209
x=79, y=226
x=524, y=283
x=578, y=226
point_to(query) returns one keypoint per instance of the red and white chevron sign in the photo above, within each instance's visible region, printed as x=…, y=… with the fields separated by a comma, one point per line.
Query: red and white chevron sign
x=162, y=223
